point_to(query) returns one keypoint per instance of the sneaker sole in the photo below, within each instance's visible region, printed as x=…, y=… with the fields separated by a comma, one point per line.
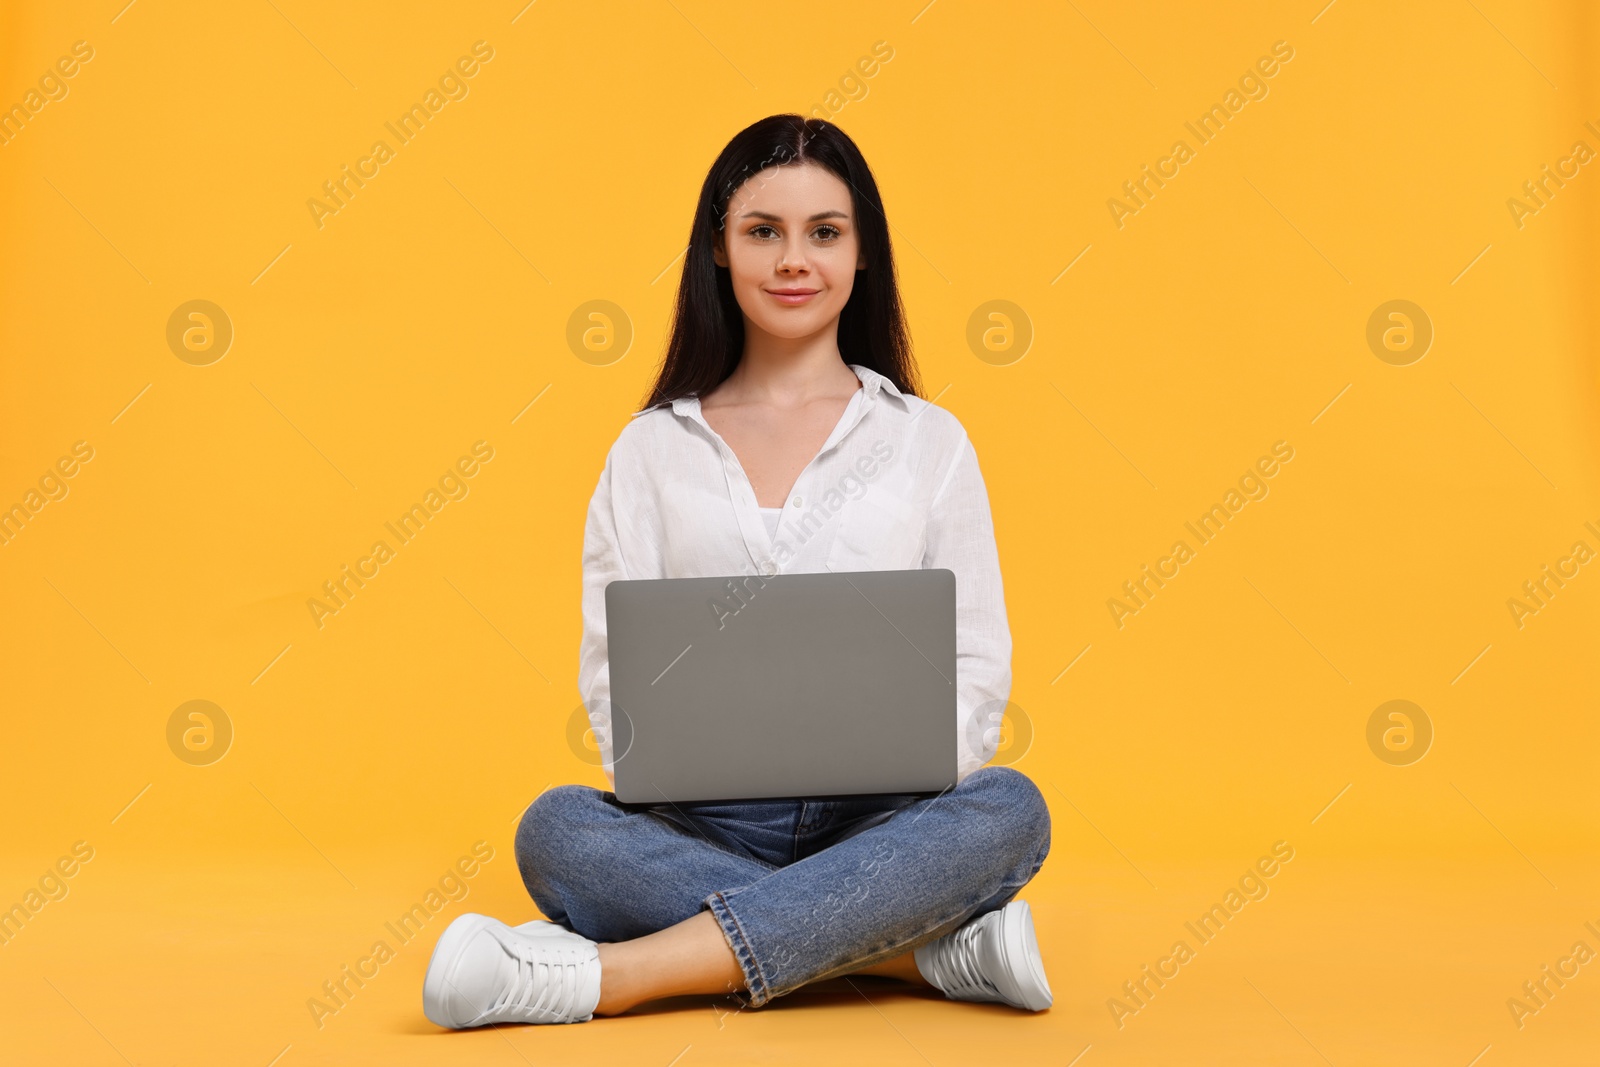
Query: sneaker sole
x=442, y=968
x=1027, y=985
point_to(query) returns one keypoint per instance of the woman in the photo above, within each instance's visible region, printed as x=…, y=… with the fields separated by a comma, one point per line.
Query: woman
x=787, y=395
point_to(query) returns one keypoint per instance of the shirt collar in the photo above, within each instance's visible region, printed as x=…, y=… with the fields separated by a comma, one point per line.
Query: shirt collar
x=871, y=382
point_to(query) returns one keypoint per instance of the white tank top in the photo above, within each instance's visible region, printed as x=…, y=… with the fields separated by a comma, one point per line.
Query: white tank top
x=772, y=515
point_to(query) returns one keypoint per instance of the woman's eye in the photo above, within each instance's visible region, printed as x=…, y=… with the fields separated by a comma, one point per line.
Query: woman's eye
x=824, y=233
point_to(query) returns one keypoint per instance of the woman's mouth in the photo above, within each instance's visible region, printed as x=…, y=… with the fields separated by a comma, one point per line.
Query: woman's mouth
x=792, y=295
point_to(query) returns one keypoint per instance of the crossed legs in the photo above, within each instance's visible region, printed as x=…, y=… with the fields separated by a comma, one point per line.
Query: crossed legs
x=678, y=914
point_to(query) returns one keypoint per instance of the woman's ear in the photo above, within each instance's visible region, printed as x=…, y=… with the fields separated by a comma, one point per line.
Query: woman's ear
x=719, y=254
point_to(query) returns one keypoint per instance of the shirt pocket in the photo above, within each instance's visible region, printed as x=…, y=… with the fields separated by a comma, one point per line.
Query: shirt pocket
x=880, y=532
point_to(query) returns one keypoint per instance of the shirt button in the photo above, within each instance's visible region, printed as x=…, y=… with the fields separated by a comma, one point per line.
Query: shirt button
x=768, y=567
x=796, y=501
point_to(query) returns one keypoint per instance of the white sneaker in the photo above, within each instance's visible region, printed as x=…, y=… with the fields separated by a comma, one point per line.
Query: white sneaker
x=993, y=957
x=484, y=971
x=545, y=926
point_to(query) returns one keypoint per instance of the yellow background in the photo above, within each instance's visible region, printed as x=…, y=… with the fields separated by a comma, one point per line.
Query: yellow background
x=369, y=754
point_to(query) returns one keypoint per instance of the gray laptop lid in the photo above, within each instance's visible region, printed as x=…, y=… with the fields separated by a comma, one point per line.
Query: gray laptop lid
x=796, y=685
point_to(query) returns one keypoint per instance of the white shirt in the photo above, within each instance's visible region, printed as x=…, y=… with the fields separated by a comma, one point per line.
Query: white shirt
x=895, y=486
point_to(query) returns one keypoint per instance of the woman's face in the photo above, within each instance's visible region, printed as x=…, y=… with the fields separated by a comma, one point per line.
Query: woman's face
x=790, y=245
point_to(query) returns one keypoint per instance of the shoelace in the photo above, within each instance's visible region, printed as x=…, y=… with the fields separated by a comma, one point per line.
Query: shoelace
x=548, y=981
x=960, y=972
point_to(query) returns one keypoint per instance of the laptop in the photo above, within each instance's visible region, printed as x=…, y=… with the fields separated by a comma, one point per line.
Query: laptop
x=838, y=683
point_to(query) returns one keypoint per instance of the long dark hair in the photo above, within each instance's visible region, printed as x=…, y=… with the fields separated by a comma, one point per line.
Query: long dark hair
x=707, y=336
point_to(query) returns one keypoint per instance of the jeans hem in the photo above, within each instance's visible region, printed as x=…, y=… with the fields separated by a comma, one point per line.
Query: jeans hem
x=739, y=942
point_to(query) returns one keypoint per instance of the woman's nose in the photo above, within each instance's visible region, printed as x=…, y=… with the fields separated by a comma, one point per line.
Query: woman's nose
x=793, y=258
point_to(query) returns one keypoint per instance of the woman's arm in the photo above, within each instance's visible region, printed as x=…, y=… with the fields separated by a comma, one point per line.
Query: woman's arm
x=960, y=536
x=602, y=564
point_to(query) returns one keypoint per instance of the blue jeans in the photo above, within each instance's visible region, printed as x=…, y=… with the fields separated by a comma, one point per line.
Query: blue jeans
x=803, y=889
